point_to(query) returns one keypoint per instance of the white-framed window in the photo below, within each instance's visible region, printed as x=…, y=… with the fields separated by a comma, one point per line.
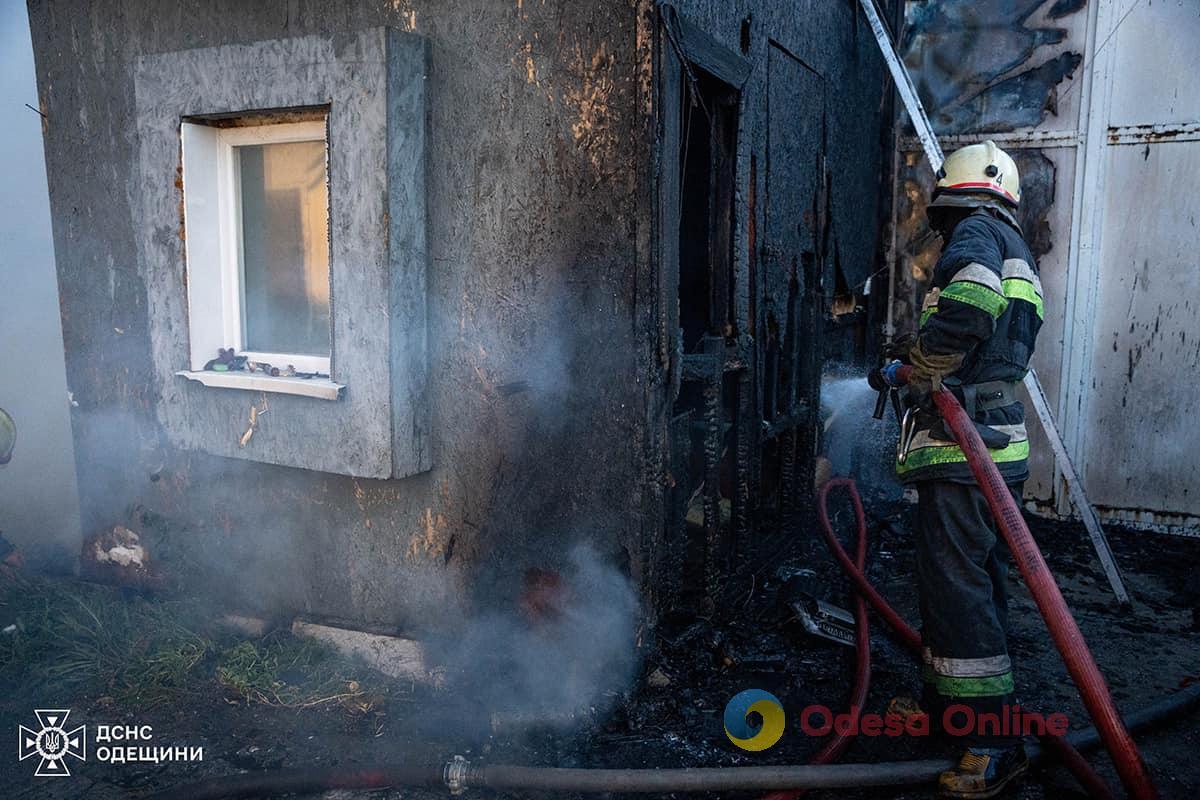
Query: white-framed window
x=256, y=235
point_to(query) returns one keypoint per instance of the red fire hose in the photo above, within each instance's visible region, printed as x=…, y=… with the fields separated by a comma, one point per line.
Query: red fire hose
x=837, y=744
x=1066, y=635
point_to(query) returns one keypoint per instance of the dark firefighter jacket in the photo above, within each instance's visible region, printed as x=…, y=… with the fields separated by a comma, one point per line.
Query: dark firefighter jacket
x=985, y=304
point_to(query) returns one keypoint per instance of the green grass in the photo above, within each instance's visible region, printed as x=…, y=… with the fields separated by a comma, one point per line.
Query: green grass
x=85, y=638
x=282, y=670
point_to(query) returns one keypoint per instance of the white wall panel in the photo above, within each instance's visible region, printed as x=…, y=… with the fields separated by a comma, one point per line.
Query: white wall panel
x=1141, y=431
x=1156, y=63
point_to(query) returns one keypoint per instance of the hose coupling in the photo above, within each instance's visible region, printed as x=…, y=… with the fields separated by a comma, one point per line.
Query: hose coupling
x=455, y=775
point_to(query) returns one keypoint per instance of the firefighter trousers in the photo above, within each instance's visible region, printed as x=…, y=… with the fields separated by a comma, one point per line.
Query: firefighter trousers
x=962, y=571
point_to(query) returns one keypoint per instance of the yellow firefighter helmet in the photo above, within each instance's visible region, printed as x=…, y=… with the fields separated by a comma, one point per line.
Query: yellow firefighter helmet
x=977, y=169
x=8, y=436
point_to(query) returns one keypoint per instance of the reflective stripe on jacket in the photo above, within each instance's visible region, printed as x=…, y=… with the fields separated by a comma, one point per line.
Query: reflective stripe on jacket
x=985, y=303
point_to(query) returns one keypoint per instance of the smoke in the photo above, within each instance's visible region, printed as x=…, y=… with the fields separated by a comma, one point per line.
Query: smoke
x=517, y=492
x=561, y=654
x=549, y=640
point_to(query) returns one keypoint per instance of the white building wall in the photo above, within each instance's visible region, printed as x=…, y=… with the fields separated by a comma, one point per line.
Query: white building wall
x=39, y=507
x=1137, y=389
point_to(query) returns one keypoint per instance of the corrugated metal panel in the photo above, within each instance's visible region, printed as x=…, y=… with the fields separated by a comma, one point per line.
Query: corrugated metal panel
x=1139, y=327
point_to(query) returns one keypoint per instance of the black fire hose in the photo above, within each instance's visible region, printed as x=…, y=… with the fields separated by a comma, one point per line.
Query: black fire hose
x=459, y=775
x=1169, y=708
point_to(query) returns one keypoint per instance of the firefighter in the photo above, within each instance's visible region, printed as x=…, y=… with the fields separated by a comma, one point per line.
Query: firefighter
x=977, y=330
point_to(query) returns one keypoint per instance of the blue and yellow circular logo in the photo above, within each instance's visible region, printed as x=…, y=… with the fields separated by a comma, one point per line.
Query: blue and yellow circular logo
x=756, y=736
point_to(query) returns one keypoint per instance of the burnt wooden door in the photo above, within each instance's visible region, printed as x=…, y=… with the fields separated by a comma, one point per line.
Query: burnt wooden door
x=792, y=267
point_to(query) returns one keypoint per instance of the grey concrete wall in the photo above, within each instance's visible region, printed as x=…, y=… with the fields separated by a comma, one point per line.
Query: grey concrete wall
x=39, y=508
x=548, y=384
x=531, y=245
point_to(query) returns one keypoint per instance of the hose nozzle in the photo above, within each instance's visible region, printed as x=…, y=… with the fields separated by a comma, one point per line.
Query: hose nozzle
x=886, y=380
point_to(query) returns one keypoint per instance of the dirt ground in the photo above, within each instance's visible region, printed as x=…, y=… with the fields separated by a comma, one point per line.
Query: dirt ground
x=674, y=719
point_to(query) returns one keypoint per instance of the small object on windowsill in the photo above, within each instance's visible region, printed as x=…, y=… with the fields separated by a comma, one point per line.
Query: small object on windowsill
x=224, y=360
x=312, y=385
x=228, y=360
x=242, y=373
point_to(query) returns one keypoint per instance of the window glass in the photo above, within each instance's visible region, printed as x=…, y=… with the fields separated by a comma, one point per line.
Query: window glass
x=285, y=247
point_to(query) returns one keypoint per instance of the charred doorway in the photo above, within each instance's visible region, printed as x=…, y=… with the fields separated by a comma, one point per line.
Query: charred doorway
x=711, y=413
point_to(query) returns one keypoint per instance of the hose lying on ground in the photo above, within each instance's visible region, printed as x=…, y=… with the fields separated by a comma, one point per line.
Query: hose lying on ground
x=630, y=781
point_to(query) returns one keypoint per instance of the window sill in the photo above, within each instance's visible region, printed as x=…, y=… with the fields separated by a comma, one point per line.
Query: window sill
x=320, y=388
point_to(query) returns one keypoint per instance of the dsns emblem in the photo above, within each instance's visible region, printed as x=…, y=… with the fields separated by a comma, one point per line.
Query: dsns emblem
x=52, y=743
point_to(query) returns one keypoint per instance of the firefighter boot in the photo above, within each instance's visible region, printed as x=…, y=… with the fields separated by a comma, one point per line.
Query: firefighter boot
x=984, y=772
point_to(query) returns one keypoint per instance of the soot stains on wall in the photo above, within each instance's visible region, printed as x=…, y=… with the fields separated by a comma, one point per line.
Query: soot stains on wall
x=976, y=66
